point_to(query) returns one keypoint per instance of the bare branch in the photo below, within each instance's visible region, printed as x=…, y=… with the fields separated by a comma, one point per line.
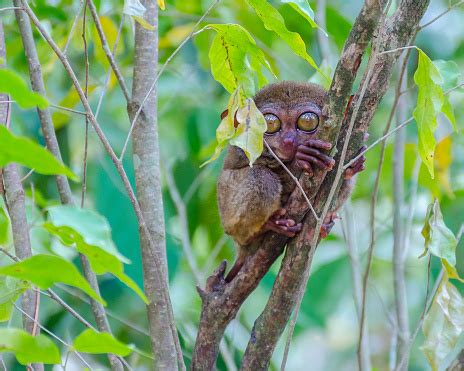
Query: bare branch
x=161, y=70
x=106, y=49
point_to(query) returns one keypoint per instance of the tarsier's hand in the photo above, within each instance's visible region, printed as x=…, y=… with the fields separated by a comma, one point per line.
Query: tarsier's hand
x=277, y=223
x=309, y=155
x=357, y=166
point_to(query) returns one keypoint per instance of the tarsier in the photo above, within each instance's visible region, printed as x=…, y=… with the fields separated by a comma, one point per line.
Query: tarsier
x=251, y=199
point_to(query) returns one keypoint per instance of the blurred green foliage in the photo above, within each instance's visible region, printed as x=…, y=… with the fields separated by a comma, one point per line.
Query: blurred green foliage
x=190, y=103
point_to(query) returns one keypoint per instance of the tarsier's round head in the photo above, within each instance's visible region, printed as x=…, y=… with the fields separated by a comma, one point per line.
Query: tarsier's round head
x=293, y=113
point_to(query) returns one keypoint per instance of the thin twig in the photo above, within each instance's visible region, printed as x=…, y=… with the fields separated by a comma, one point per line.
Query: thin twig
x=108, y=75
x=86, y=93
x=108, y=53
x=183, y=223
x=429, y=296
x=163, y=67
x=68, y=109
x=294, y=178
x=10, y=8
x=119, y=167
x=73, y=27
x=44, y=329
x=451, y=7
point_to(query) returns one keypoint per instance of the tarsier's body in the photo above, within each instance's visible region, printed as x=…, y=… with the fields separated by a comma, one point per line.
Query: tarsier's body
x=251, y=198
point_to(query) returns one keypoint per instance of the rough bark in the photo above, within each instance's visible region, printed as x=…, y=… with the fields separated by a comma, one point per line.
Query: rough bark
x=64, y=189
x=148, y=183
x=221, y=301
x=16, y=207
x=396, y=33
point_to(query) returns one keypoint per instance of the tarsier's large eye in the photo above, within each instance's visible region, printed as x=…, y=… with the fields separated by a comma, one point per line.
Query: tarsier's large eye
x=308, y=121
x=273, y=123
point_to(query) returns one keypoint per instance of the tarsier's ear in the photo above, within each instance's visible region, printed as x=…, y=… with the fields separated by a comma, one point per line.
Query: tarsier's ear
x=225, y=113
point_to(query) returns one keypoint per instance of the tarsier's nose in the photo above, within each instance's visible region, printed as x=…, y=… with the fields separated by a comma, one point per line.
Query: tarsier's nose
x=288, y=148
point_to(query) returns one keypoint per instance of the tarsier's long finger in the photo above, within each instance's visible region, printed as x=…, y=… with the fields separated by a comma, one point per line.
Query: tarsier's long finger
x=305, y=166
x=314, y=160
x=318, y=143
x=316, y=153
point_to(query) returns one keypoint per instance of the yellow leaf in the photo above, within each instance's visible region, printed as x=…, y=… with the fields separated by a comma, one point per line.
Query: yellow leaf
x=175, y=35
x=144, y=23
x=443, y=160
x=161, y=4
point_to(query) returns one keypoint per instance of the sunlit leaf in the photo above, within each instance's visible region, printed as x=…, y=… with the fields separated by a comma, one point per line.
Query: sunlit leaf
x=161, y=4
x=10, y=289
x=303, y=7
x=46, y=270
x=111, y=33
x=232, y=53
x=175, y=35
x=90, y=341
x=4, y=227
x=250, y=131
x=439, y=239
x=25, y=152
x=273, y=21
x=90, y=234
x=27, y=348
x=443, y=161
x=429, y=104
x=136, y=10
x=226, y=129
x=443, y=324
x=13, y=85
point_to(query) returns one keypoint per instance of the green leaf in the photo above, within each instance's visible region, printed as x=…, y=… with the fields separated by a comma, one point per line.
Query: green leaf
x=439, y=239
x=235, y=58
x=449, y=70
x=25, y=152
x=46, y=270
x=13, y=85
x=448, y=111
x=273, y=21
x=91, y=341
x=10, y=289
x=90, y=234
x=226, y=128
x=27, y=348
x=429, y=104
x=4, y=227
x=250, y=131
x=443, y=324
x=136, y=10
x=303, y=7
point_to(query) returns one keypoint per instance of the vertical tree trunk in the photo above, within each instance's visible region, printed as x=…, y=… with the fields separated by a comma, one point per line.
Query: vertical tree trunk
x=17, y=211
x=148, y=183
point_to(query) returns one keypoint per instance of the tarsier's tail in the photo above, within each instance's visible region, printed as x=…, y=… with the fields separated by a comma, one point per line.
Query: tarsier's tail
x=235, y=268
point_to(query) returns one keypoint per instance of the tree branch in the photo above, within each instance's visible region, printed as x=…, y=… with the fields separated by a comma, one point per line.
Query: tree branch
x=64, y=189
x=291, y=280
x=221, y=301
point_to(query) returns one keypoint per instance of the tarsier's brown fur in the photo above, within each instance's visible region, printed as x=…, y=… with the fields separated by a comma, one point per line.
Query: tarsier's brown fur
x=251, y=198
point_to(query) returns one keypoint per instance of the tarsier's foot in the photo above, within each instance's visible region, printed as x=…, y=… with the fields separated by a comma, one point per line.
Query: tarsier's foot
x=357, y=166
x=328, y=224
x=309, y=155
x=277, y=223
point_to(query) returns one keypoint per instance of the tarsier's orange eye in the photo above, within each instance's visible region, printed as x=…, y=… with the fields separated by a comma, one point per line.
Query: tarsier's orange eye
x=273, y=123
x=308, y=121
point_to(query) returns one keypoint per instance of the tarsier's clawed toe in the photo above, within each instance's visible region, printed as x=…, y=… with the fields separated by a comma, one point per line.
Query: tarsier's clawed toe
x=328, y=224
x=357, y=166
x=285, y=226
x=310, y=156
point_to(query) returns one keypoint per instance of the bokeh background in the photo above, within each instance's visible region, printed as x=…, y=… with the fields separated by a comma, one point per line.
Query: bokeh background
x=190, y=103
